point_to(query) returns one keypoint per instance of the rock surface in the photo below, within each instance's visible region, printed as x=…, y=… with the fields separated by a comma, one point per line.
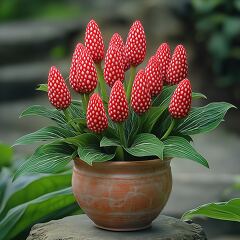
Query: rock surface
x=81, y=228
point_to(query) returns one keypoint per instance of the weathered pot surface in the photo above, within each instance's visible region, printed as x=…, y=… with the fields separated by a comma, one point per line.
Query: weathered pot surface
x=122, y=196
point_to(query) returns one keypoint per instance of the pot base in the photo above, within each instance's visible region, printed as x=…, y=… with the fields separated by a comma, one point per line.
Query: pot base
x=124, y=229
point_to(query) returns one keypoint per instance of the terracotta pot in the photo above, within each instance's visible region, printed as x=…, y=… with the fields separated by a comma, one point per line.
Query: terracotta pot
x=122, y=196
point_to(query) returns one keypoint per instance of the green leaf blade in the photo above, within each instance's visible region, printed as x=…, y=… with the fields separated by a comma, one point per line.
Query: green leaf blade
x=229, y=211
x=146, y=145
x=203, y=119
x=45, y=134
x=175, y=146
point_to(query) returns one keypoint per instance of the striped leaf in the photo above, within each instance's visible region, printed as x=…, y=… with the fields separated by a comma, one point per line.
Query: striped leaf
x=49, y=158
x=45, y=134
x=229, y=211
x=38, y=110
x=146, y=145
x=203, y=119
x=175, y=146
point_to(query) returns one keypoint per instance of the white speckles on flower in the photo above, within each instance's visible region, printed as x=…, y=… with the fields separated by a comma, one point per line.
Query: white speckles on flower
x=96, y=115
x=141, y=97
x=163, y=55
x=113, y=69
x=180, y=104
x=154, y=76
x=118, y=106
x=94, y=41
x=136, y=44
x=58, y=93
x=86, y=79
x=178, y=68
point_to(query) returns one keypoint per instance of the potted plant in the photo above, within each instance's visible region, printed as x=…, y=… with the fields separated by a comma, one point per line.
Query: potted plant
x=121, y=143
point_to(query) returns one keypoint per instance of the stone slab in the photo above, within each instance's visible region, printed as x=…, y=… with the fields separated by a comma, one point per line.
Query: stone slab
x=80, y=227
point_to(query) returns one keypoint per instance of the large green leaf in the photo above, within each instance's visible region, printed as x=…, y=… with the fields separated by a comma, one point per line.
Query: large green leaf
x=33, y=211
x=229, y=211
x=89, y=151
x=49, y=158
x=25, y=189
x=160, y=104
x=109, y=142
x=203, y=119
x=38, y=110
x=146, y=145
x=45, y=134
x=175, y=146
x=6, y=154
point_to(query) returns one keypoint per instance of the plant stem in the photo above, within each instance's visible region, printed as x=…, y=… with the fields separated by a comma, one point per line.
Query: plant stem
x=101, y=80
x=121, y=134
x=130, y=83
x=84, y=103
x=69, y=118
x=86, y=98
x=120, y=153
x=170, y=128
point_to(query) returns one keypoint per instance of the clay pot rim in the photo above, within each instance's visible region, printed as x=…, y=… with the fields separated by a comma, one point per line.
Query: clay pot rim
x=149, y=162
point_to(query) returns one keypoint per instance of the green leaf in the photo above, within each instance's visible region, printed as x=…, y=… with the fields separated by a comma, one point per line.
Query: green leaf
x=89, y=149
x=6, y=154
x=229, y=211
x=175, y=146
x=45, y=134
x=146, y=145
x=42, y=111
x=203, y=119
x=25, y=189
x=33, y=211
x=49, y=158
x=164, y=98
x=83, y=139
x=150, y=118
x=42, y=87
x=109, y=142
x=198, y=95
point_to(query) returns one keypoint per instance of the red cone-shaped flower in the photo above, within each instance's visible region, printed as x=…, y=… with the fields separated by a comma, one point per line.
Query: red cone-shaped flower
x=141, y=97
x=113, y=68
x=163, y=55
x=94, y=41
x=154, y=76
x=86, y=73
x=136, y=44
x=118, y=42
x=180, y=104
x=73, y=69
x=117, y=105
x=96, y=115
x=178, y=68
x=58, y=93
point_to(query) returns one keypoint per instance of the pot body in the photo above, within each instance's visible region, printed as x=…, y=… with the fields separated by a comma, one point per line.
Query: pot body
x=122, y=196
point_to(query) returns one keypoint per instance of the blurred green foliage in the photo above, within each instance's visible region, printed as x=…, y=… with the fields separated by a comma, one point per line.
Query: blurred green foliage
x=217, y=25
x=6, y=154
x=44, y=9
x=31, y=199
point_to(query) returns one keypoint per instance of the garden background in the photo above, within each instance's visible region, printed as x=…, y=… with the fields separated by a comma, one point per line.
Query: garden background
x=36, y=34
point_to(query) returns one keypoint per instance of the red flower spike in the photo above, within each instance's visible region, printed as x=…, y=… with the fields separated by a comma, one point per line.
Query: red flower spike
x=58, y=93
x=73, y=69
x=141, y=97
x=136, y=44
x=113, y=69
x=178, y=68
x=94, y=41
x=154, y=76
x=86, y=73
x=118, y=42
x=181, y=100
x=163, y=55
x=96, y=115
x=118, y=105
